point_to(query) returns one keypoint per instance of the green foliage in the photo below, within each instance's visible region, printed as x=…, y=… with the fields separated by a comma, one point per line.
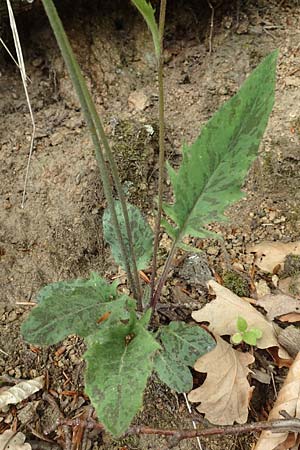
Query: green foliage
x=73, y=307
x=182, y=345
x=250, y=337
x=147, y=12
x=122, y=352
x=117, y=373
x=142, y=235
x=214, y=167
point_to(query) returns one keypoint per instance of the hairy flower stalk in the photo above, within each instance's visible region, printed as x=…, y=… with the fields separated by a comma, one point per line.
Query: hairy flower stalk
x=96, y=130
x=160, y=63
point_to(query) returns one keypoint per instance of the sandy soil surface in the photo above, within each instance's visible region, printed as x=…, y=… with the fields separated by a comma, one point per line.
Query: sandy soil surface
x=57, y=235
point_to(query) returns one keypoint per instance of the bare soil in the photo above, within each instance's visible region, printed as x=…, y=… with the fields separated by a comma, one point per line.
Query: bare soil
x=57, y=235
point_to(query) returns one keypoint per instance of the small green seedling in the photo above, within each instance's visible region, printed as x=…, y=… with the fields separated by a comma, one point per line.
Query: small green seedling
x=244, y=335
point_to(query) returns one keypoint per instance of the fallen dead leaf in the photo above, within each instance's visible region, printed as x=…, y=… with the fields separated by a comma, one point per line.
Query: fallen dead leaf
x=279, y=305
x=21, y=391
x=269, y=255
x=280, y=362
x=288, y=400
x=225, y=394
x=290, y=317
x=289, y=338
x=9, y=440
x=222, y=314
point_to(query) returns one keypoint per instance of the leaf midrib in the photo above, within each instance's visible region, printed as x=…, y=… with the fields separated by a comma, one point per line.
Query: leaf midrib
x=199, y=198
x=78, y=311
x=185, y=341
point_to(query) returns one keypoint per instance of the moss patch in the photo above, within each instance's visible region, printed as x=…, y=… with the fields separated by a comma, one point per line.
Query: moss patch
x=292, y=265
x=135, y=146
x=236, y=283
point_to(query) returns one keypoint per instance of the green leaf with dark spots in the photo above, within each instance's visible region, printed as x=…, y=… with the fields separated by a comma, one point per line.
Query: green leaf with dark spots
x=117, y=371
x=74, y=307
x=214, y=168
x=142, y=235
x=182, y=345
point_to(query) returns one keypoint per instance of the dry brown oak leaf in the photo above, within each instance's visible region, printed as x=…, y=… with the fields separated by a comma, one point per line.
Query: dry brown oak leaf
x=271, y=255
x=225, y=394
x=280, y=305
x=288, y=400
x=21, y=391
x=10, y=440
x=222, y=314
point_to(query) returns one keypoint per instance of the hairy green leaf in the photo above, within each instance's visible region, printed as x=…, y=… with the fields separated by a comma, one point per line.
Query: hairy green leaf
x=213, y=169
x=147, y=12
x=117, y=371
x=74, y=307
x=182, y=345
x=142, y=235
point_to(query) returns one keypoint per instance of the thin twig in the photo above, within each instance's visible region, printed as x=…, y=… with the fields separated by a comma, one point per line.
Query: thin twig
x=26, y=303
x=273, y=384
x=276, y=426
x=96, y=131
x=4, y=353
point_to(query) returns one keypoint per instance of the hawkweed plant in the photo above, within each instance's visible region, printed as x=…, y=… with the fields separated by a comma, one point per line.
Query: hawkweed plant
x=123, y=347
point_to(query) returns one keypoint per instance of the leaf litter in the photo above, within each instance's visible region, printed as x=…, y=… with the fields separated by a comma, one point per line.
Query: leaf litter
x=222, y=314
x=270, y=256
x=21, y=391
x=281, y=306
x=288, y=400
x=225, y=395
x=10, y=440
x=226, y=392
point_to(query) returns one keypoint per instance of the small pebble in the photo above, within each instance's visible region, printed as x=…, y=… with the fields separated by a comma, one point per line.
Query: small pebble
x=27, y=413
x=213, y=251
x=33, y=373
x=238, y=266
x=9, y=418
x=262, y=288
x=56, y=138
x=11, y=316
x=275, y=280
x=18, y=373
